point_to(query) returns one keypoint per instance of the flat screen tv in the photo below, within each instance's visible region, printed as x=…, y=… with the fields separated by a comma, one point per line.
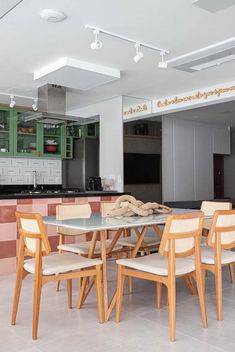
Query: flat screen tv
x=141, y=168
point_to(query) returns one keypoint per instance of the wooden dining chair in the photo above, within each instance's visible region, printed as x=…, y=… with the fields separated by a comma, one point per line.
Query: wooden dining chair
x=209, y=208
x=218, y=253
x=45, y=268
x=76, y=211
x=180, y=241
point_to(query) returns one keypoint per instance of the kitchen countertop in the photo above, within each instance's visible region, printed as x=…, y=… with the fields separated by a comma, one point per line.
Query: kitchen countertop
x=18, y=195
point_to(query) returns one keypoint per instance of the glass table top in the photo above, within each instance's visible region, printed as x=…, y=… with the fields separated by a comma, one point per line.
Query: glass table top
x=97, y=222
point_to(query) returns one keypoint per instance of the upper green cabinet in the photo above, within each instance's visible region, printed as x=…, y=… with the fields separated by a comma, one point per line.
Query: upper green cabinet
x=19, y=137
x=6, y=137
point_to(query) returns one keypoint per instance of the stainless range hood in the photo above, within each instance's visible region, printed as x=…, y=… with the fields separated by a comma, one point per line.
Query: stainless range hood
x=51, y=108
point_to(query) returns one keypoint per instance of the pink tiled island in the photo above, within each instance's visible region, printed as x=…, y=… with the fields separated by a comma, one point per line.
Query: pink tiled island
x=44, y=206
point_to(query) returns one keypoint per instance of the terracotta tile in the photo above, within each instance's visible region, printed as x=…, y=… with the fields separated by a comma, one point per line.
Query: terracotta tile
x=7, y=213
x=7, y=266
x=106, y=198
x=8, y=231
x=54, y=200
x=7, y=249
x=68, y=200
x=54, y=241
x=51, y=210
x=51, y=230
x=25, y=201
x=8, y=202
x=24, y=208
x=93, y=199
x=40, y=200
x=114, y=197
x=95, y=207
x=81, y=199
x=40, y=208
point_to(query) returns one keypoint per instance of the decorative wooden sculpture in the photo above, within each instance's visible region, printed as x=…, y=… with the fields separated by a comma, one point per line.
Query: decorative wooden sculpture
x=128, y=206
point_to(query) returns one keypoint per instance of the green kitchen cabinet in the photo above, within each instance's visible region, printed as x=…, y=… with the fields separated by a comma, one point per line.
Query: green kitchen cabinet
x=52, y=140
x=26, y=136
x=6, y=135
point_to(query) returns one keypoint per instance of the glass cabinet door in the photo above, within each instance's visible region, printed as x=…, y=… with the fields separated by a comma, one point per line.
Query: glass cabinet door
x=26, y=142
x=53, y=139
x=5, y=135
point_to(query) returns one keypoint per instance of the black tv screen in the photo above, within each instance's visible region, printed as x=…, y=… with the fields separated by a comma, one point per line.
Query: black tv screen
x=141, y=168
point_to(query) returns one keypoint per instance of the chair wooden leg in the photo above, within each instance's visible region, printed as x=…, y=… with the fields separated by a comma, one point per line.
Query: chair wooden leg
x=99, y=294
x=218, y=284
x=231, y=273
x=130, y=279
x=200, y=277
x=172, y=308
x=69, y=292
x=18, y=285
x=61, y=241
x=159, y=295
x=82, y=292
x=36, y=304
x=189, y=284
x=120, y=287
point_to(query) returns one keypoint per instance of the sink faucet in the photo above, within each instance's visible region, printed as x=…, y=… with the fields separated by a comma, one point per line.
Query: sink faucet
x=34, y=179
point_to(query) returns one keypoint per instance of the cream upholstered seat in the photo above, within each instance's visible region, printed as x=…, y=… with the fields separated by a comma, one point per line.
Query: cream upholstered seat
x=82, y=248
x=179, y=245
x=45, y=268
x=157, y=264
x=221, y=240
x=61, y=263
x=208, y=256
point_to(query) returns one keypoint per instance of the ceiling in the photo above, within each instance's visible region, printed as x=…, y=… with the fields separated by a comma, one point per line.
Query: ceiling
x=28, y=43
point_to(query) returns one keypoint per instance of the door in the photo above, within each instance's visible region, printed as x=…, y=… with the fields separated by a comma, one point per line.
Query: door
x=218, y=176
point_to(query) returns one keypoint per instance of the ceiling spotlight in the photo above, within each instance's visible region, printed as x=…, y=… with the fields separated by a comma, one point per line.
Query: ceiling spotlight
x=139, y=54
x=97, y=44
x=35, y=104
x=162, y=63
x=12, y=102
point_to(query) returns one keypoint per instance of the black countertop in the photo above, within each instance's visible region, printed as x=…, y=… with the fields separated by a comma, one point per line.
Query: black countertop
x=53, y=191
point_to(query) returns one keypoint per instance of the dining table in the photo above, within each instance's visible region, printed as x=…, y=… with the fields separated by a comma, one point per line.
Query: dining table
x=98, y=224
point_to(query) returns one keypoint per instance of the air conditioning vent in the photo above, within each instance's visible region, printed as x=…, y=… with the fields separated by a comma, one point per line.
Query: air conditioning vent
x=213, y=5
x=207, y=62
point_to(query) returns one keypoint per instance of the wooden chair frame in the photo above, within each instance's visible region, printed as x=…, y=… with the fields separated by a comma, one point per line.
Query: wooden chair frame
x=40, y=280
x=216, y=268
x=170, y=280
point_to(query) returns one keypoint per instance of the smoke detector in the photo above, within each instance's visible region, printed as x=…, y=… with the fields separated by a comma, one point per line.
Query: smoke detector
x=52, y=15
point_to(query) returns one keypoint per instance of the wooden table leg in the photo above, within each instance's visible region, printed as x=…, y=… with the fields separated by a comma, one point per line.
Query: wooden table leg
x=103, y=236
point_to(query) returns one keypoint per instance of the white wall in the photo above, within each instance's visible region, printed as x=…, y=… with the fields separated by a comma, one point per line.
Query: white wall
x=187, y=158
x=111, y=137
x=229, y=170
x=19, y=171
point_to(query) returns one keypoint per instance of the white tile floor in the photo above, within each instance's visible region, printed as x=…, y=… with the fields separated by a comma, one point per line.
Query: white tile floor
x=142, y=327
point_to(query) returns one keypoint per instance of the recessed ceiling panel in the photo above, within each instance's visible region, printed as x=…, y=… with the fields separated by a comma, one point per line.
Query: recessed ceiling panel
x=7, y=5
x=76, y=74
x=214, y=5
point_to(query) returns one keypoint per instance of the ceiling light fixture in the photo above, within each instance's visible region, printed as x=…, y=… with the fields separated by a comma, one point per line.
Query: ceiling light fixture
x=139, y=55
x=52, y=15
x=97, y=44
x=162, y=63
x=12, y=102
x=35, y=104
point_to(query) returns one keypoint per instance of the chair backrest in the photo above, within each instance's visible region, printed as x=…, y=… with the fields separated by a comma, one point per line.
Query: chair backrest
x=223, y=229
x=32, y=229
x=209, y=208
x=73, y=211
x=105, y=207
x=182, y=230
